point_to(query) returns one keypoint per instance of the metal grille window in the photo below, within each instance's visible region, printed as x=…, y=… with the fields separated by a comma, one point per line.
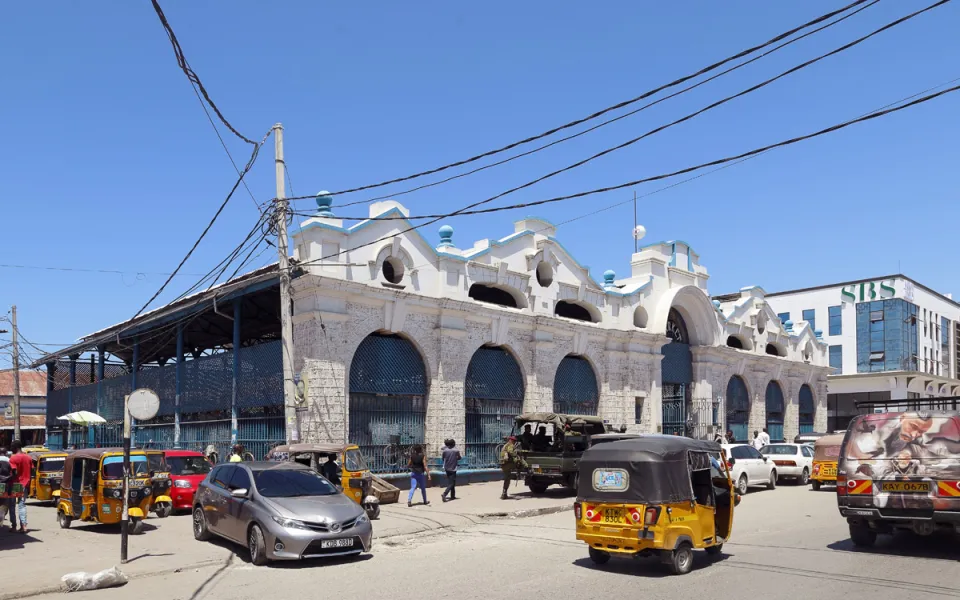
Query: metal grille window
x=738, y=408
x=575, y=390
x=388, y=406
x=807, y=409
x=674, y=408
x=774, y=403
x=493, y=395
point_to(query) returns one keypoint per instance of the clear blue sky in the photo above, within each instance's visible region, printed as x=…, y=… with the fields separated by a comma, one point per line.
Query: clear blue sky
x=109, y=162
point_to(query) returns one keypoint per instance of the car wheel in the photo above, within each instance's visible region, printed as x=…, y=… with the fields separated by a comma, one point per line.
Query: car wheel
x=200, y=531
x=742, y=485
x=772, y=484
x=537, y=488
x=63, y=520
x=164, y=510
x=599, y=557
x=682, y=560
x=862, y=536
x=715, y=550
x=257, y=546
x=816, y=485
x=136, y=525
x=804, y=477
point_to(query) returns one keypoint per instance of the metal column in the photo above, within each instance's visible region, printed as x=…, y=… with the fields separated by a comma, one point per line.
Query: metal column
x=101, y=357
x=73, y=383
x=179, y=382
x=134, y=367
x=236, y=370
x=51, y=374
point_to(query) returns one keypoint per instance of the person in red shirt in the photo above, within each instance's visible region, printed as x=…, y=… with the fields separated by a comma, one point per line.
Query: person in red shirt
x=21, y=463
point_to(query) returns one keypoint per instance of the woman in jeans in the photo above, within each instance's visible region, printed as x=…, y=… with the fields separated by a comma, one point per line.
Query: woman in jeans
x=418, y=474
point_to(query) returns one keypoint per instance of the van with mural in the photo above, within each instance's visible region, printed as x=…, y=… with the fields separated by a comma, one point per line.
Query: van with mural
x=551, y=444
x=900, y=471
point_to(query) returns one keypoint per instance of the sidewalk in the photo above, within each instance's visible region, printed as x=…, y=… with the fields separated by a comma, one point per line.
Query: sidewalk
x=36, y=561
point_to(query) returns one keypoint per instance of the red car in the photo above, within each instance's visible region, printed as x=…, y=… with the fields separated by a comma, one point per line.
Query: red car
x=187, y=470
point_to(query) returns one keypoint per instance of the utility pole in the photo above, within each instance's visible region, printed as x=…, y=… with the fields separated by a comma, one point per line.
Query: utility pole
x=286, y=327
x=16, y=376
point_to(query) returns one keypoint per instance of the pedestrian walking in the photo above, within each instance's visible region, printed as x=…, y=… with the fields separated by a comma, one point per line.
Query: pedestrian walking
x=765, y=437
x=509, y=461
x=451, y=459
x=419, y=475
x=237, y=455
x=6, y=478
x=21, y=463
x=757, y=440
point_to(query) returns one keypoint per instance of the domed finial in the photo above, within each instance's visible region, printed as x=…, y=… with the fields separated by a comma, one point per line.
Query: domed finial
x=716, y=304
x=324, y=204
x=818, y=333
x=608, y=277
x=788, y=326
x=446, y=237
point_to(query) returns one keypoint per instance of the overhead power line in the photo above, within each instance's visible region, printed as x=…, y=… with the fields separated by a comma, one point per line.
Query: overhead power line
x=619, y=117
x=606, y=110
x=82, y=270
x=720, y=161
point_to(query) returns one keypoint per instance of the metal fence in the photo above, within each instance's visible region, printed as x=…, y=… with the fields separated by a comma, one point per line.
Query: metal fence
x=388, y=401
x=774, y=404
x=493, y=396
x=674, y=408
x=575, y=390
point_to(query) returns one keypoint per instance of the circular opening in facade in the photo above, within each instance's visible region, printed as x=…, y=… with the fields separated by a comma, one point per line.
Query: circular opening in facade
x=544, y=273
x=392, y=270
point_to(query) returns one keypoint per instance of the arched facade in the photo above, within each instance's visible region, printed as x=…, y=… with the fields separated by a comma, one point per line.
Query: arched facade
x=676, y=372
x=575, y=390
x=388, y=399
x=738, y=409
x=774, y=404
x=807, y=409
x=493, y=396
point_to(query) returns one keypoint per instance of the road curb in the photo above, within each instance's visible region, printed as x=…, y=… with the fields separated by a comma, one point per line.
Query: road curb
x=524, y=514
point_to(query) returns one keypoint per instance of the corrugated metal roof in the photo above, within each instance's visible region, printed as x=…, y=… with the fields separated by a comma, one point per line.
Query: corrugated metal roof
x=32, y=384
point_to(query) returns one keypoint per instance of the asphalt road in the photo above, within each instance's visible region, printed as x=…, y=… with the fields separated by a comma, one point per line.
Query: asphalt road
x=788, y=543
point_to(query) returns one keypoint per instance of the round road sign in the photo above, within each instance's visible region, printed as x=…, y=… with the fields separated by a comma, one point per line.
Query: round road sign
x=143, y=404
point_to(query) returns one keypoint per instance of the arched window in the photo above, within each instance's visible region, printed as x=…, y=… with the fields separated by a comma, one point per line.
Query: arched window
x=388, y=400
x=572, y=310
x=734, y=342
x=807, y=409
x=493, y=396
x=492, y=295
x=772, y=350
x=775, y=411
x=575, y=390
x=738, y=408
x=676, y=372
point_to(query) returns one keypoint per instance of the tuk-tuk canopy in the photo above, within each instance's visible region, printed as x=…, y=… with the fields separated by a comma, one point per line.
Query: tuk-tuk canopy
x=309, y=449
x=827, y=448
x=589, y=424
x=90, y=453
x=650, y=469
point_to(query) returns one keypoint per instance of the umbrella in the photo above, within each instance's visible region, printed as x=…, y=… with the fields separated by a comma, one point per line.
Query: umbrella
x=83, y=417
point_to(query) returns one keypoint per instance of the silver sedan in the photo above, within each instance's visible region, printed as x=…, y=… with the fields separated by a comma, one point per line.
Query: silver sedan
x=280, y=511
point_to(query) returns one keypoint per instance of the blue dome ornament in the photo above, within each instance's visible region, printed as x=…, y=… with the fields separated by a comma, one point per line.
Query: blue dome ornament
x=446, y=237
x=818, y=333
x=716, y=304
x=788, y=326
x=324, y=204
x=608, y=277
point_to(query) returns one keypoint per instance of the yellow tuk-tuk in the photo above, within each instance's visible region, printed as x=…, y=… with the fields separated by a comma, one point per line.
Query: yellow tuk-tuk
x=46, y=475
x=160, y=482
x=341, y=464
x=654, y=495
x=826, y=453
x=92, y=488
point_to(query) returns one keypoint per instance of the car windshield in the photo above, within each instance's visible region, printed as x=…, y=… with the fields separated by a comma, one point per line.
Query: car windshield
x=289, y=483
x=113, y=467
x=155, y=461
x=51, y=464
x=188, y=465
x=779, y=449
x=354, y=460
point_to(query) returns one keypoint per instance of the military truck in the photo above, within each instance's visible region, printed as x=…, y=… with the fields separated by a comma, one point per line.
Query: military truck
x=553, y=456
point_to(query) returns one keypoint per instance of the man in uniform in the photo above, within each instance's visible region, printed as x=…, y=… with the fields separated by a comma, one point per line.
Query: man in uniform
x=526, y=438
x=509, y=461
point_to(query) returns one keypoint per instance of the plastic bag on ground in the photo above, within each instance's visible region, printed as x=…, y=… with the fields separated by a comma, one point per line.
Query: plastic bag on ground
x=81, y=581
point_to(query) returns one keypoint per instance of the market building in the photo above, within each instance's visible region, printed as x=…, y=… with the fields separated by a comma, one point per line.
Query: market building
x=890, y=340
x=33, y=407
x=401, y=340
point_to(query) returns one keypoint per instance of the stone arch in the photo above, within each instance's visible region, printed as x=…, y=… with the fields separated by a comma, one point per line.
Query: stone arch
x=500, y=295
x=493, y=395
x=775, y=410
x=698, y=313
x=808, y=409
x=738, y=408
x=388, y=385
x=739, y=342
x=775, y=349
x=576, y=388
x=676, y=374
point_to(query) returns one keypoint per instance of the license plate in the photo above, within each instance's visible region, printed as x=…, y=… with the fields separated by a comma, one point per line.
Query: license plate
x=905, y=487
x=613, y=515
x=344, y=543
x=828, y=471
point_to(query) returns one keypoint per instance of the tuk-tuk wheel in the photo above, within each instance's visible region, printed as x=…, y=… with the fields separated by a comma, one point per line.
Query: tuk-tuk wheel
x=164, y=510
x=63, y=520
x=599, y=557
x=681, y=559
x=816, y=485
x=136, y=525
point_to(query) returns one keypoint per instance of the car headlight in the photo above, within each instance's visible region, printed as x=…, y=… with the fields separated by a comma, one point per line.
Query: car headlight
x=290, y=523
x=362, y=519
x=146, y=490
x=181, y=483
